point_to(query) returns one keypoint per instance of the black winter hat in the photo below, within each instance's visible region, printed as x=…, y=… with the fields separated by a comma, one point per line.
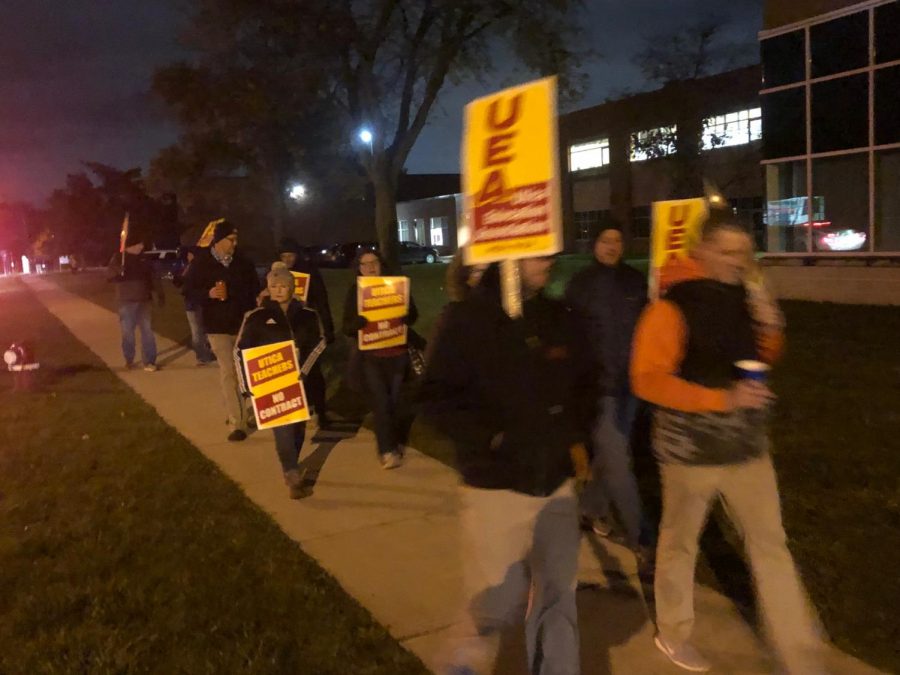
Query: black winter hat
x=223, y=229
x=289, y=245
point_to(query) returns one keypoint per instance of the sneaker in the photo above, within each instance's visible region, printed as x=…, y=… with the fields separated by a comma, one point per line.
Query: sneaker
x=683, y=656
x=599, y=526
x=391, y=460
x=296, y=482
x=237, y=435
x=151, y=368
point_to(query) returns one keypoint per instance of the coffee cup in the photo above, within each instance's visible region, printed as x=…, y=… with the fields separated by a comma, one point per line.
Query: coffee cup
x=220, y=285
x=750, y=369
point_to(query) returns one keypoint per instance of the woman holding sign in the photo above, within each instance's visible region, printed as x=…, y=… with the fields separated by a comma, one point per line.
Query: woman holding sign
x=281, y=318
x=377, y=312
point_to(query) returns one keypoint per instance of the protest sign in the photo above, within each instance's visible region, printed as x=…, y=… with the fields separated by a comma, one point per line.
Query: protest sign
x=272, y=375
x=301, y=286
x=207, y=236
x=510, y=162
x=384, y=301
x=676, y=225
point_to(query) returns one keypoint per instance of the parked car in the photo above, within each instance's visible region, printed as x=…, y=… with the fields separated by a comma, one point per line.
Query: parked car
x=411, y=252
x=343, y=255
x=166, y=262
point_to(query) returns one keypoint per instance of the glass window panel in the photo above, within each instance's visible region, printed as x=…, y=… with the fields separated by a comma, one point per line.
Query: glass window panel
x=887, y=106
x=887, y=201
x=589, y=155
x=841, y=195
x=403, y=230
x=640, y=215
x=784, y=119
x=840, y=114
x=840, y=45
x=783, y=59
x=786, y=208
x=887, y=32
x=652, y=143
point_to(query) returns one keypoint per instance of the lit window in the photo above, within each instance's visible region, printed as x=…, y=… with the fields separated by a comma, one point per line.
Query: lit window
x=438, y=231
x=737, y=128
x=652, y=143
x=403, y=230
x=589, y=155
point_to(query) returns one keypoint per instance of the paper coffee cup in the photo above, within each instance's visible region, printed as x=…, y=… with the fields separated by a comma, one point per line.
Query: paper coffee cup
x=752, y=370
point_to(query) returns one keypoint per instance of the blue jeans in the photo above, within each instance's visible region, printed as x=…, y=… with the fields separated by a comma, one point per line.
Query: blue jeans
x=383, y=376
x=288, y=441
x=613, y=478
x=198, y=336
x=134, y=315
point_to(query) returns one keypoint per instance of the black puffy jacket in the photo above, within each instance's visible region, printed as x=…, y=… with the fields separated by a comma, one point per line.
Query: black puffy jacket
x=242, y=285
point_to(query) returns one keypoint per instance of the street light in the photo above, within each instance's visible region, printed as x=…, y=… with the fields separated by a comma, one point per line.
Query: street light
x=366, y=136
x=297, y=192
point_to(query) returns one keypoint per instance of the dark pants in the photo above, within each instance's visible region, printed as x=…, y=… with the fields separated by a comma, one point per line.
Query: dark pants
x=288, y=441
x=315, y=390
x=383, y=376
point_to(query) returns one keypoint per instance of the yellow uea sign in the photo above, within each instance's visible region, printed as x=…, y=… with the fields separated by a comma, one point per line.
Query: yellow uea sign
x=384, y=301
x=510, y=165
x=676, y=225
x=272, y=375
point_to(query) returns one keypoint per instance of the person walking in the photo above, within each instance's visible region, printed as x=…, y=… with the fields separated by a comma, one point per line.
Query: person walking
x=506, y=394
x=607, y=298
x=711, y=441
x=383, y=370
x=136, y=283
x=194, y=312
x=224, y=285
x=317, y=299
x=280, y=318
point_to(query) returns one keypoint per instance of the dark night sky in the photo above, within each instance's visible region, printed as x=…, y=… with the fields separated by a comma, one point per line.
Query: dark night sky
x=74, y=80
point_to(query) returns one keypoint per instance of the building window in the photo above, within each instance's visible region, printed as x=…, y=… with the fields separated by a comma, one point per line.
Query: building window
x=787, y=215
x=653, y=143
x=737, y=128
x=784, y=119
x=439, y=231
x=839, y=45
x=586, y=223
x=840, y=114
x=784, y=59
x=887, y=103
x=418, y=233
x=887, y=200
x=887, y=32
x=589, y=155
x=403, y=230
x=640, y=215
x=841, y=184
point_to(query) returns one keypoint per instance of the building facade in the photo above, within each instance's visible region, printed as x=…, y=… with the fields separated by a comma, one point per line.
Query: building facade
x=619, y=157
x=830, y=98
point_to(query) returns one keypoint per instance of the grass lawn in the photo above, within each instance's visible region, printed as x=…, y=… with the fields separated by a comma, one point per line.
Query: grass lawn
x=836, y=434
x=123, y=550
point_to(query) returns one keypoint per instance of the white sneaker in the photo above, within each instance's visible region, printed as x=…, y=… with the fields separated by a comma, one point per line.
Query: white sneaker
x=151, y=368
x=684, y=655
x=391, y=460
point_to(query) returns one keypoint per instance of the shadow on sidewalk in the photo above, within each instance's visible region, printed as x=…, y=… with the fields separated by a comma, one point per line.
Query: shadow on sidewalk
x=325, y=441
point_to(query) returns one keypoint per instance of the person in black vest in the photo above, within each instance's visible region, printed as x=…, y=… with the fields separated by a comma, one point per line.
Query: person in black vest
x=225, y=285
x=710, y=438
x=317, y=300
x=607, y=298
x=136, y=284
x=508, y=395
x=280, y=318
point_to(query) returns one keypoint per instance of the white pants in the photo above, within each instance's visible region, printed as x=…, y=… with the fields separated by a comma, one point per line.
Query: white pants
x=515, y=544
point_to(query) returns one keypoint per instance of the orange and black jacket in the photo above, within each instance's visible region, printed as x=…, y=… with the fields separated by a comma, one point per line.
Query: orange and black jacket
x=683, y=359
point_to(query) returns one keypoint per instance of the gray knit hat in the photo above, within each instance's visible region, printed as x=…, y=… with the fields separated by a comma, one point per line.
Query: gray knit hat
x=280, y=274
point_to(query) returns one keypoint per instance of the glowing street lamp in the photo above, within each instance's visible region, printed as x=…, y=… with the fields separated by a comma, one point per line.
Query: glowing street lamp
x=366, y=136
x=297, y=192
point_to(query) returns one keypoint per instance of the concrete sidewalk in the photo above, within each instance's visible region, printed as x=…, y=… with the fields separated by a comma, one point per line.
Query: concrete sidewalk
x=391, y=537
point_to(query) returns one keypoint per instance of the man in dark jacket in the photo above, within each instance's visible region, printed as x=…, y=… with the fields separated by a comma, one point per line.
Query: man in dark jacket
x=607, y=298
x=225, y=285
x=317, y=300
x=136, y=282
x=506, y=393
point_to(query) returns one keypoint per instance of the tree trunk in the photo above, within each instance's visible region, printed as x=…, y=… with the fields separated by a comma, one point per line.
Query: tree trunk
x=386, y=218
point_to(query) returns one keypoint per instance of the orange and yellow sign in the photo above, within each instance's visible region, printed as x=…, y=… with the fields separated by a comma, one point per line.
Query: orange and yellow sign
x=510, y=162
x=301, y=286
x=206, y=237
x=676, y=225
x=272, y=374
x=384, y=301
